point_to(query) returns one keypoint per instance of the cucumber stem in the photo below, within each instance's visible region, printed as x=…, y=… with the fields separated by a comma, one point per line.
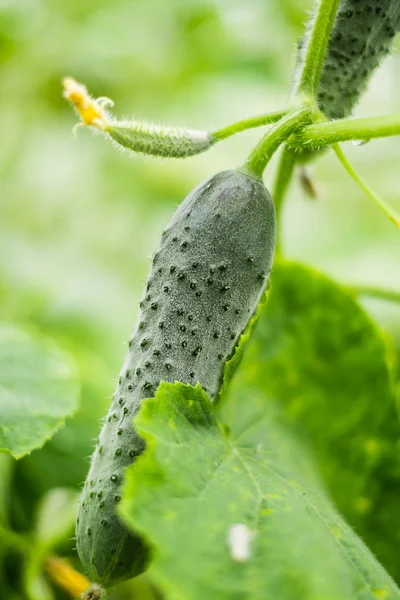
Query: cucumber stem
x=218, y=135
x=314, y=51
x=342, y=130
x=374, y=292
x=266, y=148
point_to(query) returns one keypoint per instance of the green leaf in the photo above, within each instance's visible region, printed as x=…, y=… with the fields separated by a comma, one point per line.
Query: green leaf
x=38, y=390
x=197, y=489
x=317, y=353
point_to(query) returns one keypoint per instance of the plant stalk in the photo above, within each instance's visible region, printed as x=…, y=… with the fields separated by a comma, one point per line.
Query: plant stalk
x=266, y=148
x=224, y=132
x=374, y=292
x=342, y=130
x=316, y=47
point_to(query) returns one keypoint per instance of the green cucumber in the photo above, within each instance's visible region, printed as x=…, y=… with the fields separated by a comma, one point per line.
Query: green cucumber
x=362, y=36
x=205, y=282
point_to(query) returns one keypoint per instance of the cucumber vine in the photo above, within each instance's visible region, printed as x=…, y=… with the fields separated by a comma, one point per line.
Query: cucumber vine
x=302, y=129
x=251, y=446
x=301, y=126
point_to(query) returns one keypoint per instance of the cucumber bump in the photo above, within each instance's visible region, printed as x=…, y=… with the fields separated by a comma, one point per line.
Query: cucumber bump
x=361, y=37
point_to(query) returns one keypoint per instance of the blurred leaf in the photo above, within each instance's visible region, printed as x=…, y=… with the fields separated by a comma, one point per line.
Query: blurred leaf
x=231, y=519
x=64, y=460
x=6, y=472
x=138, y=588
x=317, y=352
x=56, y=516
x=35, y=583
x=38, y=390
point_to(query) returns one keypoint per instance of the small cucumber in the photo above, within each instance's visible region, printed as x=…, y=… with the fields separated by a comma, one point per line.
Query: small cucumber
x=205, y=282
x=361, y=37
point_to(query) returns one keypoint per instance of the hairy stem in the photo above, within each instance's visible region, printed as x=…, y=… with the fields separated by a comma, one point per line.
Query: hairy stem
x=266, y=148
x=224, y=132
x=342, y=130
x=374, y=292
x=316, y=47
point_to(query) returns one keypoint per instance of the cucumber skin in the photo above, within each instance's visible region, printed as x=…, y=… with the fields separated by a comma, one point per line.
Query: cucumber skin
x=362, y=36
x=205, y=282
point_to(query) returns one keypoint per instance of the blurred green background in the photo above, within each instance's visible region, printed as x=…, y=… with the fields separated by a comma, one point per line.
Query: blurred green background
x=79, y=220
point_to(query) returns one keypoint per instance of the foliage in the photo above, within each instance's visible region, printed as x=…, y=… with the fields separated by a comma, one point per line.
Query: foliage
x=38, y=389
x=317, y=353
x=200, y=479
